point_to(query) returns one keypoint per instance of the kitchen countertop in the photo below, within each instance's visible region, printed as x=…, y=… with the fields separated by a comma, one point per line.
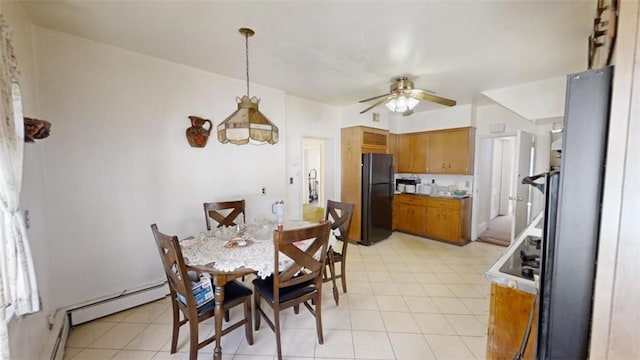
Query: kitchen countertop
x=435, y=196
x=494, y=274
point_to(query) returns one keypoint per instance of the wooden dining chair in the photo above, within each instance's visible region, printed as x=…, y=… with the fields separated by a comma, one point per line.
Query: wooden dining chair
x=300, y=282
x=339, y=214
x=179, y=277
x=216, y=211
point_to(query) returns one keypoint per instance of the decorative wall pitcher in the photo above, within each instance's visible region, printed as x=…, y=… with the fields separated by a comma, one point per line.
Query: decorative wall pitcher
x=197, y=134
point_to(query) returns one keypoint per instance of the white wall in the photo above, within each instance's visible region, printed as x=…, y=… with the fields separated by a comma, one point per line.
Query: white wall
x=306, y=118
x=118, y=159
x=350, y=116
x=445, y=118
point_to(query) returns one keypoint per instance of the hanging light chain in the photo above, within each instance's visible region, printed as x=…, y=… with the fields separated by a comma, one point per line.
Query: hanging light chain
x=246, y=47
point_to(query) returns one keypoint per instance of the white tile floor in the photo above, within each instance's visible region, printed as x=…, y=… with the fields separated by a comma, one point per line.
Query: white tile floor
x=409, y=298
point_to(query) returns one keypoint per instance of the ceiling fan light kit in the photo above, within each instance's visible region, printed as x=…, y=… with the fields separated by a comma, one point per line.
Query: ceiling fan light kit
x=247, y=124
x=403, y=98
x=402, y=103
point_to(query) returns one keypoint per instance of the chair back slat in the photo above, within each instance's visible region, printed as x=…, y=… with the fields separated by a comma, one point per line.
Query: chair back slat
x=305, y=265
x=212, y=211
x=174, y=266
x=339, y=214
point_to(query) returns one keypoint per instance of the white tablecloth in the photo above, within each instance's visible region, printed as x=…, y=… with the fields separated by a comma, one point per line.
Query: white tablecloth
x=206, y=248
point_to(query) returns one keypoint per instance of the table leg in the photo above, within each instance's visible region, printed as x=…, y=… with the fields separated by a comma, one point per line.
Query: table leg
x=219, y=315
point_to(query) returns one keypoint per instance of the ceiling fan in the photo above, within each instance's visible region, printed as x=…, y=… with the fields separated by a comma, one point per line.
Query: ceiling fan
x=402, y=97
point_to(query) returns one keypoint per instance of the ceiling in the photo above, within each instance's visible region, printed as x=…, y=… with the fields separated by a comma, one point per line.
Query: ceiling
x=339, y=52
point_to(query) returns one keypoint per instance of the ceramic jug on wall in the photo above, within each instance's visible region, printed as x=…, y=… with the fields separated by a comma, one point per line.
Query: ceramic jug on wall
x=197, y=134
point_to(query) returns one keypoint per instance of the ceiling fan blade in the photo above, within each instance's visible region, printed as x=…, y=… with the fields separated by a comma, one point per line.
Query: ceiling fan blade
x=379, y=102
x=375, y=97
x=423, y=95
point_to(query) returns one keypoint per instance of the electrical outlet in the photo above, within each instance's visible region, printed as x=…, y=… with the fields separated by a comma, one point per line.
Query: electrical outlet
x=264, y=190
x=291, y=180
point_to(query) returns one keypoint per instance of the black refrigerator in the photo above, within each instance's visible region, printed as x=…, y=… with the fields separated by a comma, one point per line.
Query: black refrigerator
x=572, y=220
x=377, y=196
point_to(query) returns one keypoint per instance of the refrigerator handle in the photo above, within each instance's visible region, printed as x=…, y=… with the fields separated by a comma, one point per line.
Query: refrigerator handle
x=392, y=186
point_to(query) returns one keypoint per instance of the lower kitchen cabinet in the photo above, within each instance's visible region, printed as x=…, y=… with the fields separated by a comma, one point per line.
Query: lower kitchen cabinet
x=449, y=220
x=411, y=214
x=394, y=214
x=508, y=319
x=437, y=218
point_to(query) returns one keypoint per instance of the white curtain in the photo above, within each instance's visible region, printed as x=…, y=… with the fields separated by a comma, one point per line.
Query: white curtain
x=18, y=288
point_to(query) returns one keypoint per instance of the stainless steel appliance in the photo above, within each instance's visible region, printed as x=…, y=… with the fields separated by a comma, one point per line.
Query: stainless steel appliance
x=573, y=199
x=402, y=183
x=377, y=196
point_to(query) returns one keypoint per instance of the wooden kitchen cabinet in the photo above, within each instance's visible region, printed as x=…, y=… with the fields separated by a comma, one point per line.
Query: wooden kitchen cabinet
x=355, y=141
x=448, y=220
x=394, y=213
x=412, y=214
x=412, y=153
x=451, y=151
x=445, y=219
x=508, y=318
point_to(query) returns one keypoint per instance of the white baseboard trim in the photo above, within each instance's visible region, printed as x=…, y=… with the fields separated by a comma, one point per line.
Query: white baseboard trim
x=65, y=318
x=116, y=303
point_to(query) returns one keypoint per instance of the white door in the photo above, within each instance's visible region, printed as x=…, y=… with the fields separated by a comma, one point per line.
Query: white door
x=520, y=198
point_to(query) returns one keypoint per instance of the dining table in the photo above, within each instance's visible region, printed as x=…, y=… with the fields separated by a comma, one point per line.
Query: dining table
x=229, y=253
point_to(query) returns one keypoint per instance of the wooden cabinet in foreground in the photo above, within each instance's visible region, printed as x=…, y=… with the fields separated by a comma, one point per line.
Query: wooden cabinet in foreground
x=451, y=151
x=355, y=141
x=508, y=319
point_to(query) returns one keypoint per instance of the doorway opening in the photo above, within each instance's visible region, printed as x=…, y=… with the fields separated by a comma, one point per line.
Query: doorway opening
x=498, y=156
x=313, y=178
x=504, y=203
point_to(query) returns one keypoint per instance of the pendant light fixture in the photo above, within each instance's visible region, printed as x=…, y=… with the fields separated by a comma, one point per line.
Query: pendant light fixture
x=247, y=124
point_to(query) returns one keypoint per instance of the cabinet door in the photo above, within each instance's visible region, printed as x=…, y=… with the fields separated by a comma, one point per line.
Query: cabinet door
x=433, y=222
x=419, y=143
x=404, y=148
x=411, y=218
x=436, y=153
x=459, y=161
x=412, y=150
x=443, y=224
x=450, y=224
x=405, y=214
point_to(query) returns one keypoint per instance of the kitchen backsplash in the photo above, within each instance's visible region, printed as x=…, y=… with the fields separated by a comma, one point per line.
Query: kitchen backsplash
x=462, y=182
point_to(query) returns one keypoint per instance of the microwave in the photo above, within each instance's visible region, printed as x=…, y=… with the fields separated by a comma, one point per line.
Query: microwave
x=407, y=181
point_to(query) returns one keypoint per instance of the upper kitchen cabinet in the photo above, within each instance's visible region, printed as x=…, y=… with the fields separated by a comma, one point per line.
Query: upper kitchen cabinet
x=451, y=151
x=412, y=153
x=355, y=141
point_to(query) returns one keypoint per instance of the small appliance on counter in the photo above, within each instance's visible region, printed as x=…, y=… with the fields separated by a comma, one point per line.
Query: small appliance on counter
x=408, y=185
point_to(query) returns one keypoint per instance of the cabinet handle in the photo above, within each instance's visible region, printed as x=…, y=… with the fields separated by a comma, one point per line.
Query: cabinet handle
x=444, y=166
x=449, y=165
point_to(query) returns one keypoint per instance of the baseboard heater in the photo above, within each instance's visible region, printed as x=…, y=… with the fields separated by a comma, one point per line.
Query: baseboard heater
x=116, y=303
